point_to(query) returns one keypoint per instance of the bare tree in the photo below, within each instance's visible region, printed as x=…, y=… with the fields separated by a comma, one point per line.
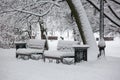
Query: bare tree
x=22, y=12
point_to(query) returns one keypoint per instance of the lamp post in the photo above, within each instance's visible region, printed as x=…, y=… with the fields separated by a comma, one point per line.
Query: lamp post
x=101, y=43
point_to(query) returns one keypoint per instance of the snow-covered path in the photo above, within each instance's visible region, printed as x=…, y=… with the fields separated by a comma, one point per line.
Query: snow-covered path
x=104, y=69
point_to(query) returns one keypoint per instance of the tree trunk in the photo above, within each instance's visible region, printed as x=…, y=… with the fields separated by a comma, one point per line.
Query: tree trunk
x=101, y=19
x=101, y=44
x=84, y=27
x=30, y=32
x=42, y=30
x=43, y=36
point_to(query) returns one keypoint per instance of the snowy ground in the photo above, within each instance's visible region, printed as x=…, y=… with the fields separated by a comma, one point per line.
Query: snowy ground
x=104, y=69
x=113, y=47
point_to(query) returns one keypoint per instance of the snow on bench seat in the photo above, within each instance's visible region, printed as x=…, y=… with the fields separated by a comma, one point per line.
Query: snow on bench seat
x=58, y=54
x=28, y=51
x=81, y=46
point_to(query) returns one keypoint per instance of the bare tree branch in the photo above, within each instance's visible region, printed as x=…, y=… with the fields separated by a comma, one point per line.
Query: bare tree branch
x=108, y=17
x=112, y=10
x=116, y=2
x=7, y=11
x=36, y=14
x=45, y=1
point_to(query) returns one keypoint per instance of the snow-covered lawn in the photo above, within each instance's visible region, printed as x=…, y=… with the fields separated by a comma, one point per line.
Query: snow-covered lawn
x=113, y=47
x=104, y=69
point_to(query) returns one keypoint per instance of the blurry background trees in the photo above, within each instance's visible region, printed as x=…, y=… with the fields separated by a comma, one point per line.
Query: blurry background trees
x=19, y=18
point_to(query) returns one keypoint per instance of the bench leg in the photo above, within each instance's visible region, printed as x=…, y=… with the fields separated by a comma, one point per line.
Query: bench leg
x=44, y=58
x=17, y=55
x=50, y=60
x=61, y=59
x=57, y=61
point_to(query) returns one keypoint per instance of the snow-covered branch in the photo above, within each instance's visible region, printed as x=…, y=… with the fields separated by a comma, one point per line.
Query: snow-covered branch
x=7, y=11
x=56, y=2
x=52, y=2
x=45, y=1
x=36, y=14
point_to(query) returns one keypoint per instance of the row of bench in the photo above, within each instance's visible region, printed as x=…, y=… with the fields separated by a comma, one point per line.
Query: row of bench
x=34, y=49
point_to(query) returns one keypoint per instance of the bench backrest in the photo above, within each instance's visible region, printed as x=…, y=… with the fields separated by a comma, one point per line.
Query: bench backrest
x=66, y=45
x=36, y=43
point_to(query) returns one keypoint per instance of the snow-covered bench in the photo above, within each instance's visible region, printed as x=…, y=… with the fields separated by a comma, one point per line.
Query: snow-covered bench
x=34, y=47
x=64, y=50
